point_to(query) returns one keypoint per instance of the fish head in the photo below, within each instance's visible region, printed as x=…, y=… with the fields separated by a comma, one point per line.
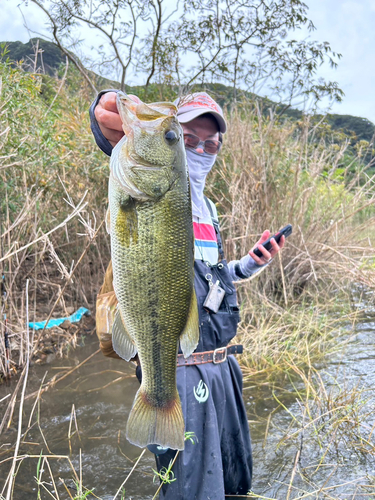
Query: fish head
x=152, y=156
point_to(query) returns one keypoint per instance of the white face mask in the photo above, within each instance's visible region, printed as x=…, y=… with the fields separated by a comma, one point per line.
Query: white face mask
x=199, y=165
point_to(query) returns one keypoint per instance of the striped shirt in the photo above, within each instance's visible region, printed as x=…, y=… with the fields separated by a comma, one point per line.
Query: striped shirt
x=206, y=248
x=205, y=238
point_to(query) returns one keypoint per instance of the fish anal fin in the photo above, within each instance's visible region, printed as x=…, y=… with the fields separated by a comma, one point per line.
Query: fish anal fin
x=190, y=336
x=149, y=424
x=123, y=344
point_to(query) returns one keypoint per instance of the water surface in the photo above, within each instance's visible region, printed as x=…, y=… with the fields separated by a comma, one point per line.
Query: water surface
x=96, y=399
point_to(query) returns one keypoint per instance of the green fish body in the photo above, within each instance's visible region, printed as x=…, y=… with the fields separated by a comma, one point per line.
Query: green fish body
x=152, y=247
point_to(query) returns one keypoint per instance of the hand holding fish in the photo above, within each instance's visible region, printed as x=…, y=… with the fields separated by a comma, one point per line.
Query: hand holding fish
x=108, y=118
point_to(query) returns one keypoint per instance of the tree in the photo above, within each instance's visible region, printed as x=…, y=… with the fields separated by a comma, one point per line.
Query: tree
x=243, y=43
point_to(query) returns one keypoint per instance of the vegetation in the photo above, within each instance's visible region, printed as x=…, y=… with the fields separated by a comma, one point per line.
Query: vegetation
x=271, y=174
x=49, y=165
x=36, y=53
x=272, y=171
x=42, y=56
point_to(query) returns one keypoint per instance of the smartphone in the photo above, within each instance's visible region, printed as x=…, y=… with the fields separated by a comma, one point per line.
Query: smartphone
x=285, y=231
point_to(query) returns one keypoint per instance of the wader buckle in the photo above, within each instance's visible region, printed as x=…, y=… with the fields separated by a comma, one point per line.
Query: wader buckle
x=219, y=350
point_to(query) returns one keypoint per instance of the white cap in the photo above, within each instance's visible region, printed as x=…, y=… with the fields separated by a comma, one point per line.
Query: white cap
x=199, y=104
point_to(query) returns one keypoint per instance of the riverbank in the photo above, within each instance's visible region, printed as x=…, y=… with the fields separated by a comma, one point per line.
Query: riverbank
x=301, y=317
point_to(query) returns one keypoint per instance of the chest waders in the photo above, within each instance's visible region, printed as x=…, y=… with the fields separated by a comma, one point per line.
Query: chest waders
x=220, y=461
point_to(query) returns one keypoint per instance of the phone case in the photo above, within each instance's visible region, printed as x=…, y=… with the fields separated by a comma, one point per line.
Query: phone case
x=285, y=231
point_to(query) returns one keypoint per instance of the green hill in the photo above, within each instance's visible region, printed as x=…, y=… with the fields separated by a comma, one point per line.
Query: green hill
x=50, y=58
x=363, y=128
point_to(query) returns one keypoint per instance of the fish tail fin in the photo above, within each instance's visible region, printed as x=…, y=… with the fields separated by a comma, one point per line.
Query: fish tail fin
x=149, y=424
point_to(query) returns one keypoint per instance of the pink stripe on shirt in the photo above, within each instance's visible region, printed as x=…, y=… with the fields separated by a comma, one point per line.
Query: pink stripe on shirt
x=204, y=232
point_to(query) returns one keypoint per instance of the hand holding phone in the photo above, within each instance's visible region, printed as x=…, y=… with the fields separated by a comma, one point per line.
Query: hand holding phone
x=285, y=231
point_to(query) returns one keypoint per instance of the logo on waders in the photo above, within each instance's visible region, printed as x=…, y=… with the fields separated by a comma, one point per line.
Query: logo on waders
x=201, y=393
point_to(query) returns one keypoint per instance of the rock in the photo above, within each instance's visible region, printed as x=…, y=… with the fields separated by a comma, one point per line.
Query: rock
x=66, y=325
x=50, y=358
x=70, y=310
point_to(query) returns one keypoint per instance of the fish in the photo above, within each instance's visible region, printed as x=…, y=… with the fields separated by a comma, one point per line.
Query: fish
x=149, y=220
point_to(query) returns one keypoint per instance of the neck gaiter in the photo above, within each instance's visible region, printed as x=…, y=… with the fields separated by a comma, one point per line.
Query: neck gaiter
x=199, y=165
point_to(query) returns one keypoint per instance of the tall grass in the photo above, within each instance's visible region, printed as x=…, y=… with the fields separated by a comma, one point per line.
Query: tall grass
x=53, y=197
x=301, y=173
x=52, y=201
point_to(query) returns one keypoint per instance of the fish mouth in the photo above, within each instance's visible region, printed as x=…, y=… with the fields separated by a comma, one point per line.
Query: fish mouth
x=133, y=111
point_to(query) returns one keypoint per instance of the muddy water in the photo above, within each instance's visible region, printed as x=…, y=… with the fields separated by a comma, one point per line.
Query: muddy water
x=328, y=458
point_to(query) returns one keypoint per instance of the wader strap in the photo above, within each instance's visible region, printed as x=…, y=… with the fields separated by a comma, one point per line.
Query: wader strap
x=217, y=356
x=215, y=223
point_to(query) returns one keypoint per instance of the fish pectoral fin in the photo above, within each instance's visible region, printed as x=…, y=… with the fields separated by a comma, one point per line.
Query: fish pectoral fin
x=108, y=221
x=190, y=336
x=123, y=344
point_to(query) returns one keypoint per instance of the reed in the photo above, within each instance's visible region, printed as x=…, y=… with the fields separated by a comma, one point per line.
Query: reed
x=272, y=173
x=53, y=197
x=51, y=219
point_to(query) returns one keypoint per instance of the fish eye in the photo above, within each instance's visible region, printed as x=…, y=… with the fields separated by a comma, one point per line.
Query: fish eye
x=171, y=137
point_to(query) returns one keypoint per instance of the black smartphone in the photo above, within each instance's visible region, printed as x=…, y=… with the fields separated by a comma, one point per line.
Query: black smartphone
x=285, y=231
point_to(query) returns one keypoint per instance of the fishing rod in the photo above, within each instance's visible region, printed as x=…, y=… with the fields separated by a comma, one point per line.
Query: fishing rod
x=4, y=296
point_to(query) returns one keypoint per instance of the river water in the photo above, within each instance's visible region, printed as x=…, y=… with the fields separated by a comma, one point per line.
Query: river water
x=320, y=449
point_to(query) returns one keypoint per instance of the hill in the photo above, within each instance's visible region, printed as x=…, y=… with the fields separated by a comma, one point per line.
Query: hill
x=49, y=58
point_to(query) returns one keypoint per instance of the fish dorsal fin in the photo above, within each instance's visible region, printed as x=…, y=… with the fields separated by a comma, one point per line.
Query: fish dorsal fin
x=123, y=344
x=190, y=336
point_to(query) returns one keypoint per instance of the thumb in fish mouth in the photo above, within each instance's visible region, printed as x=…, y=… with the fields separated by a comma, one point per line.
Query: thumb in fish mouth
x=132, y=109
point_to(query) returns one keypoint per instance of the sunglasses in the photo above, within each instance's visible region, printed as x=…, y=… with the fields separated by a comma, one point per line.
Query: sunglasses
x=209, y=146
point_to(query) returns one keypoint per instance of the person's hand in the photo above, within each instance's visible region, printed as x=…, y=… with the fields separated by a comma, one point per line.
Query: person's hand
x=108, y=118
x=267, y=254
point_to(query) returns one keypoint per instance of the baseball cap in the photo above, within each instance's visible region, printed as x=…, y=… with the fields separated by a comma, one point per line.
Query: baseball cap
x=198, y=104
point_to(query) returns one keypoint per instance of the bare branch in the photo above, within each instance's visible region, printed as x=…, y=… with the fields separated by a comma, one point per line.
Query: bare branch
x=68, y=54
x=158, y=13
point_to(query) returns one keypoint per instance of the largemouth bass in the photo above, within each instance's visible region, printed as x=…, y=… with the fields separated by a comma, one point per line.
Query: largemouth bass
x=152, y=247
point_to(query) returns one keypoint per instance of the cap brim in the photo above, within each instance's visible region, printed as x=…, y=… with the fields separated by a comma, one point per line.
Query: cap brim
x=194, y=113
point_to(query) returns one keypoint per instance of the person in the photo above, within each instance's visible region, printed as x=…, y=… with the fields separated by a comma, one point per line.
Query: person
x=218, y=460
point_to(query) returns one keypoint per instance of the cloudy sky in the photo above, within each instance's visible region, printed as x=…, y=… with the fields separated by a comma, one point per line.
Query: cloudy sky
x=349, y=26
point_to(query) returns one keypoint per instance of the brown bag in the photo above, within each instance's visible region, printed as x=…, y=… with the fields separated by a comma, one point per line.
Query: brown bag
x=106, y=304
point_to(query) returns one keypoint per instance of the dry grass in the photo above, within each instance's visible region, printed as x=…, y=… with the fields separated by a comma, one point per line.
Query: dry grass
x=272, y=174
x=329, y=439
x=51, y=219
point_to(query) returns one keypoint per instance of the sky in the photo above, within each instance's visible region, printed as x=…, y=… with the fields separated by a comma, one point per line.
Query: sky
x=348, y=25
